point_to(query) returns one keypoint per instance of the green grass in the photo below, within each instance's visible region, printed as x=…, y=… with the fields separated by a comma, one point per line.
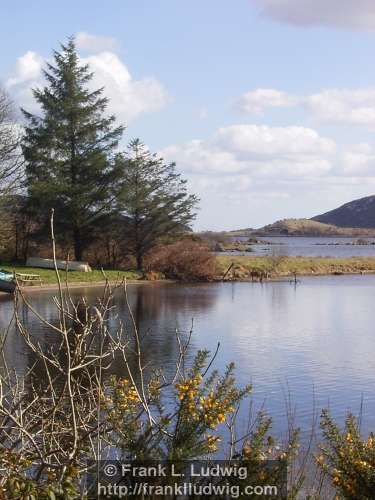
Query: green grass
x=281, y=266
x=277, y=266
x=48, y=276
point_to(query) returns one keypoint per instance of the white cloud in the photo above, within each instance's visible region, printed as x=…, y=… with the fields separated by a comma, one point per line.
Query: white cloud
x=28, y=68
x=256, y=101
x=359, y=161
x=352, y=14
x=248, y=172
x=256, y=153
x=27, y=74
x=355, y=107
x=249, y=175
x=270, y=142
x=129, y=98
x=338, y=106
x=200, y=157
x=93, y=43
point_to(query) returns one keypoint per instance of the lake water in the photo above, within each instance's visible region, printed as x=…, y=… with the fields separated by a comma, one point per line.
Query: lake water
x=313, y=247
x=315, y=340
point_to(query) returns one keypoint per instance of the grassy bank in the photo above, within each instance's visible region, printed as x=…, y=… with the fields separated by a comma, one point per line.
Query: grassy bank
x=48, y=276
x=243, y=266
x=285, y=266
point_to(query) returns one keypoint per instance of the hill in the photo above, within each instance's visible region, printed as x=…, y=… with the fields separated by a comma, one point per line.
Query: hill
x=357, y=213
x=308, y=227
x=354, y=219
x=304, y=227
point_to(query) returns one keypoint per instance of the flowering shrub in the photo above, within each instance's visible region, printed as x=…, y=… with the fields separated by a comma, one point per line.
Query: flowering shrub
x=191, y=426
x=199, y=408
x=348, y=459
x=16, y=483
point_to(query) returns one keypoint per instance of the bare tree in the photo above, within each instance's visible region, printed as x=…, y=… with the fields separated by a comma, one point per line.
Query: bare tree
x=64, y=414
x=10, y=151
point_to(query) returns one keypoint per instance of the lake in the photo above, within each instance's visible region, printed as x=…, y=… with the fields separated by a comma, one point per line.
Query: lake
x=315, y=340
x=312, y=247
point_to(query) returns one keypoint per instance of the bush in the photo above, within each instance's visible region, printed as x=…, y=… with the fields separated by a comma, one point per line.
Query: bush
x=184, y=260
x=348, y=459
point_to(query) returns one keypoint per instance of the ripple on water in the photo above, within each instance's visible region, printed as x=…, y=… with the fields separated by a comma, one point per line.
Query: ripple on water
x=315, y=342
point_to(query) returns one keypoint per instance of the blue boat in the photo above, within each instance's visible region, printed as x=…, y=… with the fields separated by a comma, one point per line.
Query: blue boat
x=7, y=282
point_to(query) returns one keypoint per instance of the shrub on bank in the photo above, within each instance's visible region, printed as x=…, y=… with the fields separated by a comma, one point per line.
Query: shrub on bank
x=348, y=459
x=185, y=260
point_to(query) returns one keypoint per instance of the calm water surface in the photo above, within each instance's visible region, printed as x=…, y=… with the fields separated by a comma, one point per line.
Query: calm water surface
x=314, y=247
x=316, y=339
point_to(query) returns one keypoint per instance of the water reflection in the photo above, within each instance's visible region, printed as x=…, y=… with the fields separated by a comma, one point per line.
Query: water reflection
x=159, y=313
x=311, y=246
x=317, y=336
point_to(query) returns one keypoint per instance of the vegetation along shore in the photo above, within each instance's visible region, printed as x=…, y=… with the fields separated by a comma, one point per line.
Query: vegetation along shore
x=276, y=267
x=240, y=268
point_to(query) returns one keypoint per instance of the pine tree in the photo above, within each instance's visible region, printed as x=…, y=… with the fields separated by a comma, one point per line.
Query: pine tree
x=154, y=200
x=69, y=151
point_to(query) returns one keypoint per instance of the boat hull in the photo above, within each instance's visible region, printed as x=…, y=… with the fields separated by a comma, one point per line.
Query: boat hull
x=61, y=264
x=7, y=286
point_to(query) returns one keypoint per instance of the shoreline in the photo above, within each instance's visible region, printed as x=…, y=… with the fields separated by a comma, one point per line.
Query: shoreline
x=288, y=278
x=245, y=267
x=241, y=268
x=82, y=284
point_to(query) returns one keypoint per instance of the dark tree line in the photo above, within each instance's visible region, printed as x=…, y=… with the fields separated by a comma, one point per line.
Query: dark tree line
x=72, y=164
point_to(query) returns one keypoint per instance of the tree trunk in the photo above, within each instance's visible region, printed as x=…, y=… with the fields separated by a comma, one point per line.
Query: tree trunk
x=16, y=243
x=78, y=249
x=138, y=244
x=139, y=258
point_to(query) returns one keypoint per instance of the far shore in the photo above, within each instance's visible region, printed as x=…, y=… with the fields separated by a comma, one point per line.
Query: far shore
x=277, y=267
x=229, y=268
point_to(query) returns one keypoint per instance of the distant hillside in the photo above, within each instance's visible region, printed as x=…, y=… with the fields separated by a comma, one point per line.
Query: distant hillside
x=308, y=227
x=354, y=219
x=357, y=213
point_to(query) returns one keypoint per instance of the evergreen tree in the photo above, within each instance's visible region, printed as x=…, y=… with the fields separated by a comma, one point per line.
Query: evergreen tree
x=69, y=151
x=154, y=200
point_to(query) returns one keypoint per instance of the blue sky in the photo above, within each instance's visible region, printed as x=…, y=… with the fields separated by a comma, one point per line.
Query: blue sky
x=267, y=106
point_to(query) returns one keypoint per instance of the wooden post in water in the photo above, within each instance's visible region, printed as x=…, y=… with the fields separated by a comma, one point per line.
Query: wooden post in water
x=227, y=271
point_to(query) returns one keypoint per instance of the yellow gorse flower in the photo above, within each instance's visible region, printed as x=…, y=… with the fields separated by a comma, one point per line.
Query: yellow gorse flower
x=212, y=409
x=212, y=442
x=124, y=399
x=187, y=392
